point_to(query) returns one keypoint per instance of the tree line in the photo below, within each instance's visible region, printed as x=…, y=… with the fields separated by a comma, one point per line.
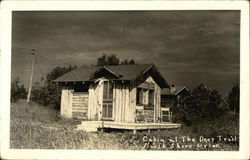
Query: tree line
x=204, y=104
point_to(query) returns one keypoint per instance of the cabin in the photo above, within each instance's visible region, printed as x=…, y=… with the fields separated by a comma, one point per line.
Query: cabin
x=169, y=99
x=120, y=97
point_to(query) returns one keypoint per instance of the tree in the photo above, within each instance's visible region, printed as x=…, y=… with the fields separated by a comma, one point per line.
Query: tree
x=178, y=110
x=108, y=60
x=18, y=90
x=132, y=61
x=233, y=98
x=49, y=94
x=202, y=104
x=112, y=60
x=57, y=72
x=127, y=62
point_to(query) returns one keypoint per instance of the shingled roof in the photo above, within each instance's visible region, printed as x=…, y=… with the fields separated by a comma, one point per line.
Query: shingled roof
x=124, y=72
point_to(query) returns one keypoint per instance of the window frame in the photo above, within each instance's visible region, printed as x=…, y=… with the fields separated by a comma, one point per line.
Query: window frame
x=153, y=97
x=108, y=101
x=144, y=92
x=168, y=115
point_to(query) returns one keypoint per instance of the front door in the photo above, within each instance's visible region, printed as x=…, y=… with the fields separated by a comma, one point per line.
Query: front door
x=107, y=107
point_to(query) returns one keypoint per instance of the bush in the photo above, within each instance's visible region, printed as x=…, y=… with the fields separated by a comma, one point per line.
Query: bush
x=48, y=93
x=17, y=90
x=202, y=104
x=233, y=98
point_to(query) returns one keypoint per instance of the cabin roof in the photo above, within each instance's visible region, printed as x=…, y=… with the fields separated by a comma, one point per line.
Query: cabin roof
x=178, y=90
x=122, y=72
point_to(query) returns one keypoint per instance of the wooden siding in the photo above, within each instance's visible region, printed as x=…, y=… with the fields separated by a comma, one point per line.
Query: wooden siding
x=80, y=105
x=66, y=103
x=88, y=105
x=123, y=102
x=123, y=106
x=157, y=103
x=95, y=101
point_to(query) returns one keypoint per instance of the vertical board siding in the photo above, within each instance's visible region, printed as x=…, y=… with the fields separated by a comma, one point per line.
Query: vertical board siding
x=133, y=101
x=123, y=103
x=157, y=103
x=95, y=101
x=80, y=105
x=66, y=103
x=92, y=111
x=123, y=108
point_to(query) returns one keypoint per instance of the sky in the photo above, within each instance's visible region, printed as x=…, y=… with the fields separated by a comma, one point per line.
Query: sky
x=188, y=47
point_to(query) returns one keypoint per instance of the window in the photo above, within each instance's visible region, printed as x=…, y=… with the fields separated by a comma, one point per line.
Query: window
x=139, y=96
x=105, y=90
x=165, y=115
x=107, y=108
x=107, y=111
x=144, y=96
x=151, y=97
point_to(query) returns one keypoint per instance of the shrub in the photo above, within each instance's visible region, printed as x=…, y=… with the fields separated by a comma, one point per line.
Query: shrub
x=48, y=93
x=233, y=98
x=202, y=103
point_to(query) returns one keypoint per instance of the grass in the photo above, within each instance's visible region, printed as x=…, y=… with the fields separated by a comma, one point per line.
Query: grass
x=38, y=127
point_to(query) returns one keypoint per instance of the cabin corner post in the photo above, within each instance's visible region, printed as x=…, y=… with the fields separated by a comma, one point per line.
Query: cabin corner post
x=70, y=103
x=157, y=104
x=90, y=101
x=132, y=94
x=66, y=103
x=100, y=99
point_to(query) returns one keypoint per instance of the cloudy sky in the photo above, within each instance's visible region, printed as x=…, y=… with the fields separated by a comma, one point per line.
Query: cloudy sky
x=188, y=47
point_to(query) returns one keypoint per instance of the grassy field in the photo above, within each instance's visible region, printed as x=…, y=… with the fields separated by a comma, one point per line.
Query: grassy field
x=38, y=127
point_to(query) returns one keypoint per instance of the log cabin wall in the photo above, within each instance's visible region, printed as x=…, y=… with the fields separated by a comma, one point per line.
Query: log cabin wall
x=80, y=105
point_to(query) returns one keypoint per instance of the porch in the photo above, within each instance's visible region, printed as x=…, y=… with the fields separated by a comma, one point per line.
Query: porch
x=93, y=126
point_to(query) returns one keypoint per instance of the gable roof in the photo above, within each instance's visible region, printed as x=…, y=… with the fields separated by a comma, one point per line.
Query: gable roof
x=78, y=75
x=130, y=72
x=178, y=89
x=122, y=72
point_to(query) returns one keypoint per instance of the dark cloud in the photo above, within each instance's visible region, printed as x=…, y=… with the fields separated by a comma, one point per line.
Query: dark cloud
x=189, y=47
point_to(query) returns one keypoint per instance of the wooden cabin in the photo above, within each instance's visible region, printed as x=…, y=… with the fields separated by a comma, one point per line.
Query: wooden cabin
x=122, y=94
x=169, y=99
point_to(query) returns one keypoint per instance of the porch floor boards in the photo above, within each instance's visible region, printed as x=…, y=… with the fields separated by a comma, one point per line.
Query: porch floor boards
x=93, y=125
